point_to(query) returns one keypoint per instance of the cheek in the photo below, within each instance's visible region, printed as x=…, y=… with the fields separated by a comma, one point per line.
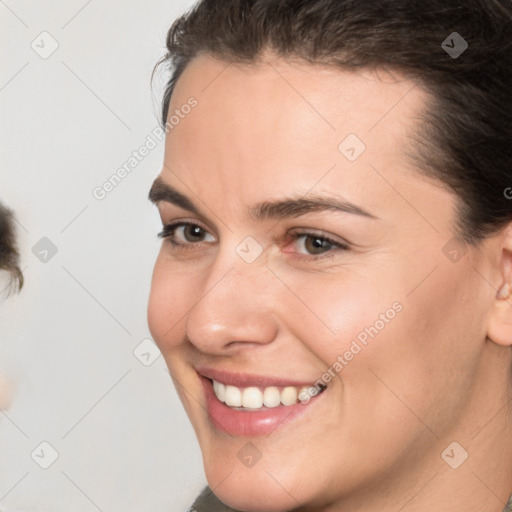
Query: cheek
x=432, y=346
x=342, y=311
x=374, y=335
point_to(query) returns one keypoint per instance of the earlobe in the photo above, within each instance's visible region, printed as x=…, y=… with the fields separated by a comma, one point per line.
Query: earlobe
x=500, y=323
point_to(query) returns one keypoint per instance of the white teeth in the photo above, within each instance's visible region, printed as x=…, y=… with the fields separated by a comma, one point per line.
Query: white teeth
x=220, y=390
x=303, y=395
x=289, y=395
x=253, y=398
x=271, y=397
x=232, y=396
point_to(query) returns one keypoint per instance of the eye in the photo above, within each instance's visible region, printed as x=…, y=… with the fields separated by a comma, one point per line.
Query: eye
x=318, y=245
x=187, y=231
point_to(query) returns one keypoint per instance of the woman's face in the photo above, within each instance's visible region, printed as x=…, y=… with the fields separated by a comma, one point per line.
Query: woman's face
x=392, y=320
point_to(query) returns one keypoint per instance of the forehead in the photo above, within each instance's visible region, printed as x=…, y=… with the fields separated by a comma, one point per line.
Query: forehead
x=296, y=125
x=335, y=98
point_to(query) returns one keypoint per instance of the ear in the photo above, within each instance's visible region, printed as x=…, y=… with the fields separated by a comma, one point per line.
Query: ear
x=500, y=321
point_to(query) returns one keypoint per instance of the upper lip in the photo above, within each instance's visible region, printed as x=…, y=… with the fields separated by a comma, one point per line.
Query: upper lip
x=243, y=380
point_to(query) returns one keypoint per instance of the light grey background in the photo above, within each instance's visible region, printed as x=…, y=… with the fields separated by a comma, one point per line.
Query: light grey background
x=68, y=122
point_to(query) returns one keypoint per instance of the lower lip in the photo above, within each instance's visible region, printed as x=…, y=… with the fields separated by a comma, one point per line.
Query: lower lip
x=250, y=422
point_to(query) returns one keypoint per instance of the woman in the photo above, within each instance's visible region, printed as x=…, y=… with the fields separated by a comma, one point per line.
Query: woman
x=332, y=296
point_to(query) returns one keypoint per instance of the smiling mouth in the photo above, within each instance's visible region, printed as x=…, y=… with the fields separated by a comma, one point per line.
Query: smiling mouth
x=254, y=398
x=255, y=405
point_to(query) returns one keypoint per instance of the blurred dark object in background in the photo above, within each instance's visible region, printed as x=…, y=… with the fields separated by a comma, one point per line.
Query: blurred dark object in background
x=9, y=256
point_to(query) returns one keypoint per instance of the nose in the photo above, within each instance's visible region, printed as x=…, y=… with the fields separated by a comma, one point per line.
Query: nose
x=237, y=309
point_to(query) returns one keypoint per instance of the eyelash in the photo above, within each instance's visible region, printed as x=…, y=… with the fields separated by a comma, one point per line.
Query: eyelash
x=169, y=229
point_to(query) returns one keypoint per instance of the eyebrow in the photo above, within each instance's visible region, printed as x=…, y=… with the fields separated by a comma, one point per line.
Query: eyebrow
x=279, y=209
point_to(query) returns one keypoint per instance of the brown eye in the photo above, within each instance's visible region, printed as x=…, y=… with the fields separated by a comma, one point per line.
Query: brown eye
x=183, y=234
x=316, y=245
x=312, y=244
x=193, y=233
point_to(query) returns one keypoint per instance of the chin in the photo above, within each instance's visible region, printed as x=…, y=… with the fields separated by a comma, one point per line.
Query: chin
x=263, y=487
x=248, y=496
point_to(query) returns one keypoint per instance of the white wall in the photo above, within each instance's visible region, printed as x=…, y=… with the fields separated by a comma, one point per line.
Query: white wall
x=67, y=123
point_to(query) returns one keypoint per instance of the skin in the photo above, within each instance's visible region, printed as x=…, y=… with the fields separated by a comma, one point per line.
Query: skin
x=438, y=372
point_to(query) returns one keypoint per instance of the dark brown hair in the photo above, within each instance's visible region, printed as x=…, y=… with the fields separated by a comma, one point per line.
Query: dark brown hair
x=9, y=256
x=465, y=137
